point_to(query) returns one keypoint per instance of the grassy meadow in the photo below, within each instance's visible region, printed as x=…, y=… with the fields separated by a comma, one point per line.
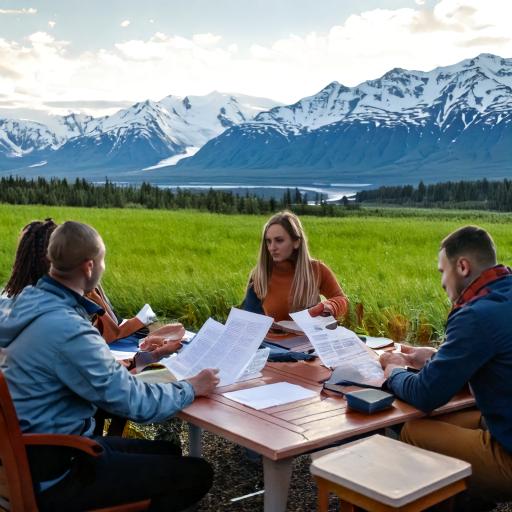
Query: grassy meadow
x=191, y=265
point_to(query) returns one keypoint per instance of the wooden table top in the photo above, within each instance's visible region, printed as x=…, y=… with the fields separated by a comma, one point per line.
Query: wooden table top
x=298, y=427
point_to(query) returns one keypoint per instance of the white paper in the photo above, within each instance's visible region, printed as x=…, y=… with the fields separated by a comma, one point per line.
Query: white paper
x=146, y=315
x=270, y=395
x=376, y=343
x=256, y=364
x=229, y=348
x=340, y=346
x=189, y=361
x=189, y=336
x=120, y=355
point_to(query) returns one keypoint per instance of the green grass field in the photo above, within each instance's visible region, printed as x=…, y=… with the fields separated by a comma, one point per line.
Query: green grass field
x=191, y=265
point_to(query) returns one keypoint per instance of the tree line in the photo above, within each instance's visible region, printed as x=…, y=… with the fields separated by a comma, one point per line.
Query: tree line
x=81, y=193
x=481, y=194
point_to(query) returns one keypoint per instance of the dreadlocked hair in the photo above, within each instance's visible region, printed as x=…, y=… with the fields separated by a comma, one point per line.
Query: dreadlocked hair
x=30, y=262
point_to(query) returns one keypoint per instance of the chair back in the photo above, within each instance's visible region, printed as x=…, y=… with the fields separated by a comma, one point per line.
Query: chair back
x=16, y=488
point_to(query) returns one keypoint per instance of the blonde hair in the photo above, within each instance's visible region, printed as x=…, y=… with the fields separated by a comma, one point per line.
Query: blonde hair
x=71, y=244
x=305, y=286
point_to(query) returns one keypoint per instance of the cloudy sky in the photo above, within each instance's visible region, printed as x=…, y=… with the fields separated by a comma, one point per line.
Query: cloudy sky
x=98, y=56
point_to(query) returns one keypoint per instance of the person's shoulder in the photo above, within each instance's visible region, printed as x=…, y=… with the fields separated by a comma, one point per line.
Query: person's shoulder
x=320, y=266
x=67, y=321
x=495, y=297
x=475, y=315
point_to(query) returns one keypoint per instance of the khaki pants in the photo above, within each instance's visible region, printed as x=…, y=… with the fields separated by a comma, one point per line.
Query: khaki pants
x=461, y=435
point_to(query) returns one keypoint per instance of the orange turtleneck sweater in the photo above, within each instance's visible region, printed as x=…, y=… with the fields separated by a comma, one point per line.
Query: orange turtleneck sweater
x=277, y=301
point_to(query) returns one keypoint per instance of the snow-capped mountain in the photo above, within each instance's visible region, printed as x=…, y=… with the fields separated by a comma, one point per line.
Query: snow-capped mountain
x=455, y=115
x=451, y=122
x=140, y=135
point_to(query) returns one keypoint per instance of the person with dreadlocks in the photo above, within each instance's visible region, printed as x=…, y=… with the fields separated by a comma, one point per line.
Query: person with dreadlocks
x=31, y=263
x=58, y=390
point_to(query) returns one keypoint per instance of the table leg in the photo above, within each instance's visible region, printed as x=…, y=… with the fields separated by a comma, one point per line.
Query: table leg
x=276, y=476
x=194, y=440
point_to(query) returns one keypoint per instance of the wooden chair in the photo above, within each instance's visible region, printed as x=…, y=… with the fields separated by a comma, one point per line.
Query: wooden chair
x=379, y=474
x=16, y=487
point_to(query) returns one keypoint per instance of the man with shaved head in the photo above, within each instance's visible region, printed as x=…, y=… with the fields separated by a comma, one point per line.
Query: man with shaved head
x=60, y=370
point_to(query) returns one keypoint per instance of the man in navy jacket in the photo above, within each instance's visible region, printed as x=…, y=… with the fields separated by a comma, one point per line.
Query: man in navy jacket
x=478, y=351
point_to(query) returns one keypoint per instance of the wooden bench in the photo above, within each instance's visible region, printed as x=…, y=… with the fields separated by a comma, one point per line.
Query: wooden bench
x=380, y=474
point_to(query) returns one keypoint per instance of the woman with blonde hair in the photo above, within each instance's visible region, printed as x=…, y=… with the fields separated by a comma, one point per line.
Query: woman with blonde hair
x=286, y=279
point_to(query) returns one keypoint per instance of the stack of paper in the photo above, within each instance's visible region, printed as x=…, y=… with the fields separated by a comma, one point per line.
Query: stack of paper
x=339, y=347
x=230, y=347
x=270, y=395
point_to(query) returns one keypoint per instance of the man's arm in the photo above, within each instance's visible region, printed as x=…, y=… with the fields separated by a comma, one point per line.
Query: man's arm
x=415, y=357
x=87, y=367
x=459, y=357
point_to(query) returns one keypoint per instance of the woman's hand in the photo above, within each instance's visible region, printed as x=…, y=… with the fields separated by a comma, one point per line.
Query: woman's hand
x=174, y=331
x=322, y=309
x=160, y=346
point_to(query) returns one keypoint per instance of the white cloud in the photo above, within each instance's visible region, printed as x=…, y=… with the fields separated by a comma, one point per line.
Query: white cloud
x=125, y=23
x=41, y=68
x=24, y=10
x=206, y=39
x=52, y=24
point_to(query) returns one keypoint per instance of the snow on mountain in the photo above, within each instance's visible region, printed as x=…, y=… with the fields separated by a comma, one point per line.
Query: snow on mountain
x=403, y=96
x=402, y=116
x=188, y=121
x=142, y=134
x=403, y=122
x=19, y=138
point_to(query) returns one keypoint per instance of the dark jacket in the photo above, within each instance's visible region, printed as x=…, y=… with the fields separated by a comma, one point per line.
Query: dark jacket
x=478, y=351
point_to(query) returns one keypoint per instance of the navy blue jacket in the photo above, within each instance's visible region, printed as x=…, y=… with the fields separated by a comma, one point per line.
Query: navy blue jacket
x=478, y=350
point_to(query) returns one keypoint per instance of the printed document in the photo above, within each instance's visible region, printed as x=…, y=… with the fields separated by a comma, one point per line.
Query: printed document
x=230, y=347
x=119, y=355
x=337, y=346
x=269, y=395
x=253, y=370
x=146, y=315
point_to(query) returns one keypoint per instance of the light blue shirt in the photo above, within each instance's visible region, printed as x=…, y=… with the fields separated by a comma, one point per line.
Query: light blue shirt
x=60, y=370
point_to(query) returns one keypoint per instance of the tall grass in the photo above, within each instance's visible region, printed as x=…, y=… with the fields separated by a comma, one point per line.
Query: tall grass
x=191, y=265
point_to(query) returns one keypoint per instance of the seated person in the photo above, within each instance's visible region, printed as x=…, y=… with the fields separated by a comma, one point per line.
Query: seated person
x=478, y=351
x=31, y=263
x=59, y=371
x=286, y=279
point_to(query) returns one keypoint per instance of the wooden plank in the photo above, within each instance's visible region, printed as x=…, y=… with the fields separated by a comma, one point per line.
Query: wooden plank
x=315, y=418
x=263, y=414
x=314, y=401
x=259, y=434
x=311, y=371
x=329, y=404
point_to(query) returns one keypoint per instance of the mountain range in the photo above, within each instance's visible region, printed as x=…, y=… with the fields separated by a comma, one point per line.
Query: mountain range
x=451, y=122
x=134, y=138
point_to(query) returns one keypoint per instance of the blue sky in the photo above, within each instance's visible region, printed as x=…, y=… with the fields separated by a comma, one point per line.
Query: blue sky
x=97, y=56
x=97, y=24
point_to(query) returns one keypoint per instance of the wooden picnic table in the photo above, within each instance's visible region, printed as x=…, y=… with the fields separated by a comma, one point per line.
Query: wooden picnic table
x=281, y=433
